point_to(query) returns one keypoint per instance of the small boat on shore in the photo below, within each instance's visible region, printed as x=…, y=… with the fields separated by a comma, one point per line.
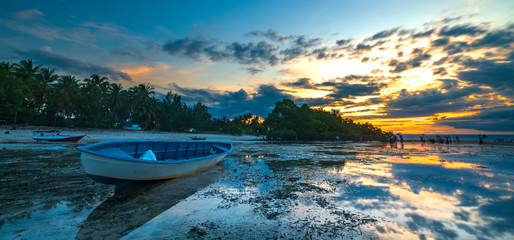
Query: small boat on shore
x=119, y=162
x=133, y=127
x=198, y=138
x=55, y=136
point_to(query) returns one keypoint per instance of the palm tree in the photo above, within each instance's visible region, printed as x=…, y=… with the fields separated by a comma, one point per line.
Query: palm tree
x=65, y=96
x=143, y=105
x=26, y=72
x=11, y=96
x=46, y=77
x=97, y=81
x=201, y=119
x=115, y=100
x=94, y=108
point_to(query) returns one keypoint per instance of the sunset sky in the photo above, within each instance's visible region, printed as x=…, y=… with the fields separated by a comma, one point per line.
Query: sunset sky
x=410, y=66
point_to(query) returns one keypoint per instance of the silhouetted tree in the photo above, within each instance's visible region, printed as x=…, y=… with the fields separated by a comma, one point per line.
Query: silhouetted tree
x=287, y=121
x=65, y=96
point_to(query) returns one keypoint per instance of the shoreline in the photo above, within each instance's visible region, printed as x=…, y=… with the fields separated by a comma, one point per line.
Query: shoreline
x=462, y=142
x=94, y=135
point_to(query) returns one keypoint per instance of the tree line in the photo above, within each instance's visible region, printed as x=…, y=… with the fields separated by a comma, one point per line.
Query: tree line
x=34, y=95
x=288, y=121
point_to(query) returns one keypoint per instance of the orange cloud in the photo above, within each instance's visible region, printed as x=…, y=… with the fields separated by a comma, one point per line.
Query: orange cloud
x=145, y=69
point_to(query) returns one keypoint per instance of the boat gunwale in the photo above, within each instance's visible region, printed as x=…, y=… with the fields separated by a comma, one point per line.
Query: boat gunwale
x=56, y=136
x=165, y=161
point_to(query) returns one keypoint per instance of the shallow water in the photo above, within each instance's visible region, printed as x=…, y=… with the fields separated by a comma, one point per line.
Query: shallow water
x=262, y=190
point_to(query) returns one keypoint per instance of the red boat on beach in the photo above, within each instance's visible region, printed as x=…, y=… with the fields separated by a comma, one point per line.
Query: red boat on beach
x=54, y=136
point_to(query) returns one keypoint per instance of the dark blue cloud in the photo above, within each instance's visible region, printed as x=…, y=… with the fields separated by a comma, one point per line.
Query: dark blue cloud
x=363, y=46
x=397, y=66
x=441, y=61
x=243, y=53
x=301, y=83
x=325, y=54
x=272, y=35
x=188, y=47
x=384, y=34
x=192, y=95
x=300, y=48
x=343, y=42
x=497, y=38
x=347, y=87
x=418, y=56
x=345, y=90
x=253, y=53
x=459, y=30
x=440, y=71
x=231, y=104
x=431, y=101
x=262, y=102
x=457, y=47
x=498, y=75
x=140, y=53
x=71, y=65
x=292, y=53
x=132, y=54
x=494, y=119
x=423, y=34
x=253, y=70
x=305, y=42
x=440, y=42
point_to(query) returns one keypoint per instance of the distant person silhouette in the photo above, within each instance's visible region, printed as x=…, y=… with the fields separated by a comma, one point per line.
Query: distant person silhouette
x=481, y=138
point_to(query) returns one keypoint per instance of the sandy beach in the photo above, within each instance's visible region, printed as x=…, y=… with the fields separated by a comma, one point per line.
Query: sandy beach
x=24, y=135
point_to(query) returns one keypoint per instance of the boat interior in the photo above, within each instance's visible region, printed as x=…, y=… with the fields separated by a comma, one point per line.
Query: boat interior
x=162, y=150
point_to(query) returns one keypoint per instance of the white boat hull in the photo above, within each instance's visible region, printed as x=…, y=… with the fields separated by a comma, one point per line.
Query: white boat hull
x=116, y=169
x=58, y=138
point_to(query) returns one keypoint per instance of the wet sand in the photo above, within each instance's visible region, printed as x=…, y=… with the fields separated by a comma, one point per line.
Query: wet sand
x=265, y=190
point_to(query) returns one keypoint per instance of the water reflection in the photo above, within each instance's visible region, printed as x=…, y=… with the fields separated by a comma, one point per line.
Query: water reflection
x=41, y=179
x=45, y=193
x=135, y=205
x=434, y=195
x=317, y=190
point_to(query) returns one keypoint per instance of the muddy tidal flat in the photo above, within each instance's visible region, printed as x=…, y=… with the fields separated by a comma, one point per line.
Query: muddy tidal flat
x=265, y=190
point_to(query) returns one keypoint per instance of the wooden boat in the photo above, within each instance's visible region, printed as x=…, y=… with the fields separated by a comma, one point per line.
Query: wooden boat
x=55, y=136
x=119, y=162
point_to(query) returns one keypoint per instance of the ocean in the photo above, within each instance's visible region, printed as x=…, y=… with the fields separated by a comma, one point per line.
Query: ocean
x=463, y=137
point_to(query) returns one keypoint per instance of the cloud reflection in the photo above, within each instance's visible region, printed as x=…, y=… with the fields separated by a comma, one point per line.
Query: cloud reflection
x=432, y=195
